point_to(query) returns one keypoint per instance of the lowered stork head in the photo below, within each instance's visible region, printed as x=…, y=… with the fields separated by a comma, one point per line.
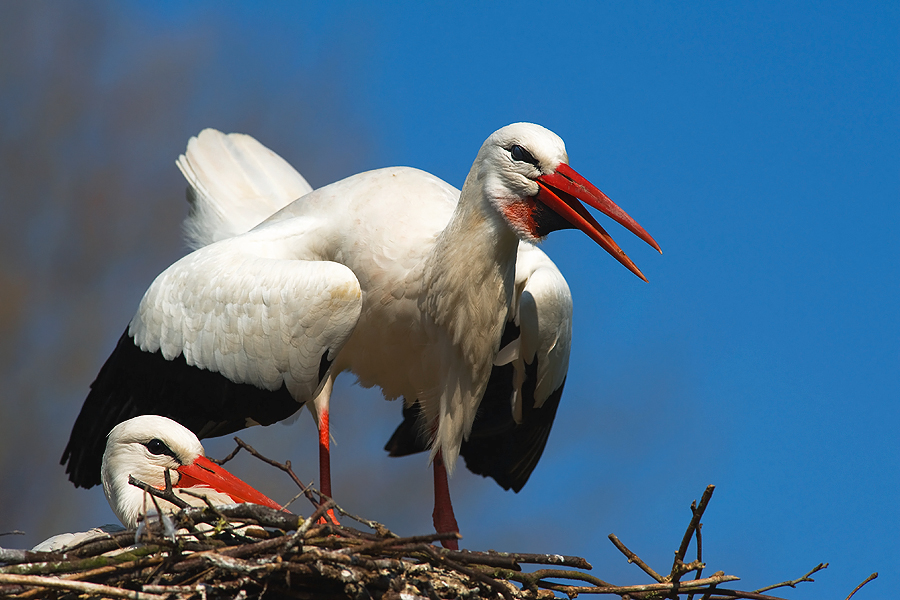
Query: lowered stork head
x=146, y=447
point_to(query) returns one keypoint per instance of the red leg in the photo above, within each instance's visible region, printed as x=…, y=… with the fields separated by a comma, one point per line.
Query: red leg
x=443, y=517
x=325, y=462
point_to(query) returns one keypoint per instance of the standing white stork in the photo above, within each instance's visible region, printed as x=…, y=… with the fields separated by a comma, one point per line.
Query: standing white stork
x=435, y=295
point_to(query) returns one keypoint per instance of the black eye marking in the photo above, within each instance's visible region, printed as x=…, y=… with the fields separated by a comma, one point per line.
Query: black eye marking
x=157, y=446
x=521, y=154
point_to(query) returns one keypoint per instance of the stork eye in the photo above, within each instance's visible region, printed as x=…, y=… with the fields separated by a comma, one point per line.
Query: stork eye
x=157, y=446
x=521, y=154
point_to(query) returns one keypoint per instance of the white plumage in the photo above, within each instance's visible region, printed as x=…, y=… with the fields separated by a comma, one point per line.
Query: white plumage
x=391, y=274
x=146, y=447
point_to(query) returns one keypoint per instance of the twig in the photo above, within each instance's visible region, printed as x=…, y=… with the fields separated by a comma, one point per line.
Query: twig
x=286, y=466
x=78, y=586
x=375, y=526
x=793, y=583
x=536, y=577
x=865, y=581
x=696, y=514
x=13, y=532
x=294, y=499
x=168, y=495
x=222, y=461
x=372, y=547
x=495, y=585
x=699, y=572
x=634, y=558
x=724, y=593
x=543, y=559
x=304, y=527
x=697, y=585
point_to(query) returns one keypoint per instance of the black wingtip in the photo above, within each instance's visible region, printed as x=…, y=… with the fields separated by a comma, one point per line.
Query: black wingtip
x=133, y=382
x=408, y=438
x=497, y=447
x=508, y=451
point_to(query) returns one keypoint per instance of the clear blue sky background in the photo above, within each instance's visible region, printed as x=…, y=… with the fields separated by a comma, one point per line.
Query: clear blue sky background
x=759, y=143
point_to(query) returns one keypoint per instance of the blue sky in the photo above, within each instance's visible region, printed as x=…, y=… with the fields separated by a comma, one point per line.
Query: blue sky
x=757, y=142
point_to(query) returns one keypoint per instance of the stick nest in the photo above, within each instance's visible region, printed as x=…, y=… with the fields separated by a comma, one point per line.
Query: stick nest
x=250, y=551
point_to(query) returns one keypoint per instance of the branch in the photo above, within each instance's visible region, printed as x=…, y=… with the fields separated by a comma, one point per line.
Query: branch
x=634, y=558
x=13, y=532
x=535, y=578
x=167, y=494
x=495, y=585
x=697, y=510
x=79, y=586
x=286, y=466
x=695, y=586
x=793, y=583
x=865, y=581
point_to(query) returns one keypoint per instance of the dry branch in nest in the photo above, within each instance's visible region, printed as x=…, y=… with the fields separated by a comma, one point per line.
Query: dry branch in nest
x=250, y=551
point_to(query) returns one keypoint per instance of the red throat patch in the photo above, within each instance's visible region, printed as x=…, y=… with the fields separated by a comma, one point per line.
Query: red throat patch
x=521, y=214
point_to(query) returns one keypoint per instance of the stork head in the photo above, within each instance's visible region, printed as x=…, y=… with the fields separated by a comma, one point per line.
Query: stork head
x=526, y=175
x=146, y=447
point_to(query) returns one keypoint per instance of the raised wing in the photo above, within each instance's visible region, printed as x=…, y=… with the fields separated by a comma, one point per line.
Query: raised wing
x=517, y=411
x=235, y=183
x=234, y=334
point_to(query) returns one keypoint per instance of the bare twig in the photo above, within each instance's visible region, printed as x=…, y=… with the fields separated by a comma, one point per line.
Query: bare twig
x=537, y=577
x=286, y=466
x=167, y=494
x=495, y=585
x=78, y=586
x=793, y=583
x=634, y=558
x=865, y=581
x=222, y=461
x=694, y=586
x=724, y=593
x=697, y=511
x=544, y=559
x=13, y=532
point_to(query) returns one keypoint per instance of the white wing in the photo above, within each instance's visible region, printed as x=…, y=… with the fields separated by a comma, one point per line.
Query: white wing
x=252, y=309
x=235, y=184
x=543, y=312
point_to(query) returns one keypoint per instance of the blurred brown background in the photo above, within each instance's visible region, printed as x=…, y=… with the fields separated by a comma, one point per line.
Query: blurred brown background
x=94, y=109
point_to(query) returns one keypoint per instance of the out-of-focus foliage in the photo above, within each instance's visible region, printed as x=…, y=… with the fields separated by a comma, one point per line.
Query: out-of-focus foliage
x=96, y=102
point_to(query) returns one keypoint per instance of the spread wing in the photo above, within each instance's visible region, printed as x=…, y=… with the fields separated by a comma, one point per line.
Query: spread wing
x=237, y=333
x=517, y=411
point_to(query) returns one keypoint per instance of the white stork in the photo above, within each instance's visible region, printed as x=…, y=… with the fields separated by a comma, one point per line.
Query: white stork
x=145, y=447
x=435, y=295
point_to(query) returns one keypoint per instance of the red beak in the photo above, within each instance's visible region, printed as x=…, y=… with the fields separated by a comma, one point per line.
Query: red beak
x=204, y=472
x=561, y=192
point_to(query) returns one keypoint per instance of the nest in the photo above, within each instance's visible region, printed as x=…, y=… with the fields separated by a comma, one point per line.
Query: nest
x=250, y=551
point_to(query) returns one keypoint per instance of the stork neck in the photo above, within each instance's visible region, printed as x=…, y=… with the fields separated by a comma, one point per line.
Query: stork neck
x=470, y=274
x=477, y=240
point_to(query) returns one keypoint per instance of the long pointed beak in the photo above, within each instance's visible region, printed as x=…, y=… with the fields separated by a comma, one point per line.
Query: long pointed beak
x=204, y=472
x=561, y=192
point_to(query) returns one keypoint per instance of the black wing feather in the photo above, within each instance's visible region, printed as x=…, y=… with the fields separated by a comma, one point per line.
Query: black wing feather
x=497, y=447
x=133, y=382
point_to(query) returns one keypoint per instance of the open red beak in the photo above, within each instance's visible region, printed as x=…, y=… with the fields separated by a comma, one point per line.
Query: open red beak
x=204, y=472
x=561, y=192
